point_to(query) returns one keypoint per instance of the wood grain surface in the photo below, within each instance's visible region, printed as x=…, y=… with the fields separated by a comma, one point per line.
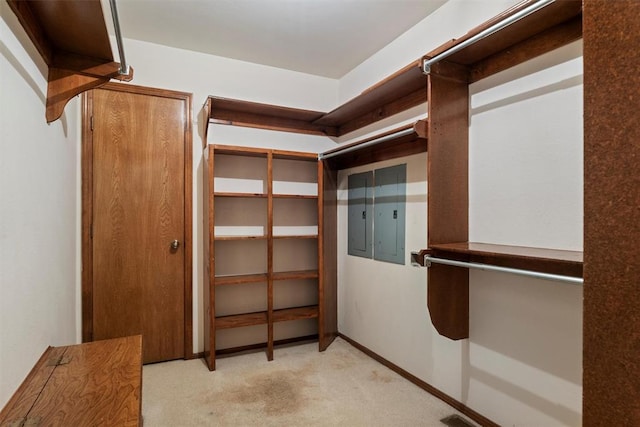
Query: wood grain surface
x=97, y=383
x=139, y=206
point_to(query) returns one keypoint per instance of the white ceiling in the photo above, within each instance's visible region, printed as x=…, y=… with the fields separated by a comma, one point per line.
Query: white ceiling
x=322, y=37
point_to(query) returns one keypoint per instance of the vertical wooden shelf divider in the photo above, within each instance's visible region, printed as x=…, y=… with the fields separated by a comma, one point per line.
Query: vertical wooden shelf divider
x=270, y=256
x=448, y=196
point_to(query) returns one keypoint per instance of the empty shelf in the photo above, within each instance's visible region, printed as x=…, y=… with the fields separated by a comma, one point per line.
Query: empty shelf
x=292, y=275
x=241, y=320
x=240, y=278
x=307, y=312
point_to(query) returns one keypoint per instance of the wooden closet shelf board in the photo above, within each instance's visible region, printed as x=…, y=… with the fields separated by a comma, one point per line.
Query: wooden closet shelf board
x=241, y=320
x=228, y=238
x=404, y=89
x=306, y=236
x=536, y=259
x=297, y=313
x=294, y=155
x=240, y=279
x=265, y=116
x=233, y=150
x=553, y=26
x=292, y=275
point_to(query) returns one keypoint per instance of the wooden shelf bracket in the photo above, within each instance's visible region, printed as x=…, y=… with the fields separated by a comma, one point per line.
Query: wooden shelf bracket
x=73, y=41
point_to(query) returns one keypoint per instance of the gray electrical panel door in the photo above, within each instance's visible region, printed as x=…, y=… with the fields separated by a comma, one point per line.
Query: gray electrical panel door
x=389, y=213
x=360, y=226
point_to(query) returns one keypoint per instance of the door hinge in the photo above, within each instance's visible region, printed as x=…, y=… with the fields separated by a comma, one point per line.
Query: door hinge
x=60, y=360
x=91, y=123
x=91, y=231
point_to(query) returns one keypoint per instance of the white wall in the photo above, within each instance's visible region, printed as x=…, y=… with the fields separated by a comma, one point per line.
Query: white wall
x=39, y=264
x=522, y=364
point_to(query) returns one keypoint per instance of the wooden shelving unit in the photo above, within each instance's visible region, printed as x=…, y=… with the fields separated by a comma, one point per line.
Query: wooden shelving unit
x=551, y=27
x=291, y=184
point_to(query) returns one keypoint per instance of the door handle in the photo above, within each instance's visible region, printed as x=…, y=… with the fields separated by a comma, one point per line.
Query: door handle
x=175, y=244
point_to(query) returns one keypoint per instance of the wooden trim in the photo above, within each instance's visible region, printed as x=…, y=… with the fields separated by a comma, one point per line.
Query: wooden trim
x=188, y=226
x=264, y=116
x=76, y=64
x=87, y=217
x=87, y=209
x=459, y=406
x=209, y=293
x=537, y=23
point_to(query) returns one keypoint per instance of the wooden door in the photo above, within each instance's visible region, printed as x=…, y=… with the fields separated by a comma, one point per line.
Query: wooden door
x=140, y=222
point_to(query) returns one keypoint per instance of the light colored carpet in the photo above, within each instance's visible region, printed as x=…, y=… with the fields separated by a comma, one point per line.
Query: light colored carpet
x=300, y=387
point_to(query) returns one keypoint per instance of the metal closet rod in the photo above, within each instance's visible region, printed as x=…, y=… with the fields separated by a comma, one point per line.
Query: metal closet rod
x=124, y=68
x=428, y=259
x=398, y=134
x=427, y=63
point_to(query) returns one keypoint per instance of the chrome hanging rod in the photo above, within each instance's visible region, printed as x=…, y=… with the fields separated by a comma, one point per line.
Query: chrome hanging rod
x=348, y=149
x=124, y=68
x=427, y=63
x=428, y=259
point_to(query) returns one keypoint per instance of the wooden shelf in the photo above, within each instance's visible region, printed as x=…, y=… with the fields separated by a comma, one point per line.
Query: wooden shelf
x=229, y=238
x=551, y=27
x=395, y=147
x=294, y=196
x=551, y=261
x=301, y=236
x=293, y=275
x=72, y=38
x=240, y=279
x=242, y=195
x=296, y=313
x=264, y=116
x=233, y=150
x=402, y=90
x=241, y=320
